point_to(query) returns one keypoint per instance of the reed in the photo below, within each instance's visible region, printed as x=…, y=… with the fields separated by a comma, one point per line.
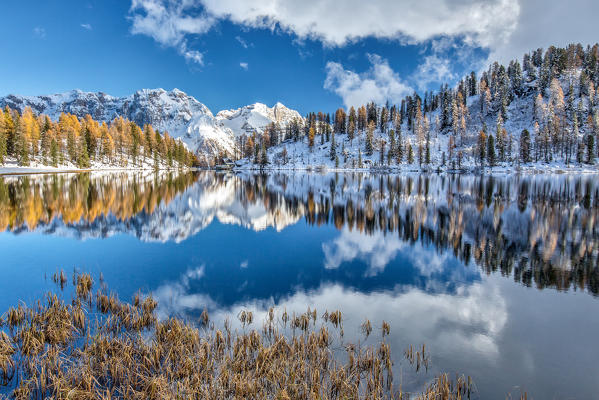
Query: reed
x=98, y=347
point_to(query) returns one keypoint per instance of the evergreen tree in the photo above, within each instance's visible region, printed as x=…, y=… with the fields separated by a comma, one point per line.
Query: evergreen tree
x=83, y=157
x=525, y=146
x=400, y=145
x=590, y=148
x=263, y=157
x=351, y=126
x=333, y=150
x=491, y=151
x=481, y=147
x=392, y=146
x=410, y=154
x=54, y=153
x=370, y=138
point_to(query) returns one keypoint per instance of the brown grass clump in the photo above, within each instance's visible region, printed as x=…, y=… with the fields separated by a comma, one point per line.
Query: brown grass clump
x=99, y=347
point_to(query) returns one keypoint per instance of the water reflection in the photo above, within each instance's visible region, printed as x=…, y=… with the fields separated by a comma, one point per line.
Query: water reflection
x=40, y=202
x=436, y=256
x=541, y=230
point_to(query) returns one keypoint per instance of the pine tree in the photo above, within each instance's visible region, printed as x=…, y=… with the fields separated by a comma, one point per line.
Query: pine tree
x=410, y=154
x=351, y=126
x=333, y=150
x=491, y=151
x=263, y=157
x=83, y=156
x=392, y=146
x=590, y=148
x=311, y=134
x=54, y=153
x=481, y=146
x=370, y=138
x=525, y=146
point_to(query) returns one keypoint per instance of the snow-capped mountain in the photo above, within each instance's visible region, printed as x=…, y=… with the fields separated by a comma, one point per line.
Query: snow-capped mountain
x=175, y=112
x=255, y=117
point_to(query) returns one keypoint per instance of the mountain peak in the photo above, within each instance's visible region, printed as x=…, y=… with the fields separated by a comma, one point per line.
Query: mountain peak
x=174, y=111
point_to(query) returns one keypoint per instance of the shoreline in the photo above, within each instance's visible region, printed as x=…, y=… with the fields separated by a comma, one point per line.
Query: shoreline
x=6, y=171
x=537, y=169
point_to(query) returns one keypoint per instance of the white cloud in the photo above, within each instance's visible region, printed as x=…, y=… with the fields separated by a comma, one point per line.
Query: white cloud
x=473, y=319
x=169, y=22
x=86, y=27
x=378, y=250
x=242, y=42
x=482, y=22
x=244, y=65
x=506, y=28
x=379, y=84
x=542, y=24
x=433, y=69
x=39, y=32
x=335, y=23
x=193, y=56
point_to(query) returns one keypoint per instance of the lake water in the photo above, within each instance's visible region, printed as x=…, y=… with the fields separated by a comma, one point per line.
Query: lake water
x=497, y=275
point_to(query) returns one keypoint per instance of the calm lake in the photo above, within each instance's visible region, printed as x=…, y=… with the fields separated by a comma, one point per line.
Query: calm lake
x=498, y=276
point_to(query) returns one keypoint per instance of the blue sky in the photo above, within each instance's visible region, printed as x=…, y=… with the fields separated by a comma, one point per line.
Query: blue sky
x=317, y=55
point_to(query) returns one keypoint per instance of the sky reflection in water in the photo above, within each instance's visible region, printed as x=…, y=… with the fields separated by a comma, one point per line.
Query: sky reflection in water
x=496, y=275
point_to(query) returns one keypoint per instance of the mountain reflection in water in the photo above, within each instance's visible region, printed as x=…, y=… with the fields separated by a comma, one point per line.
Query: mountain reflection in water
x=541, y=230
x=447, y=260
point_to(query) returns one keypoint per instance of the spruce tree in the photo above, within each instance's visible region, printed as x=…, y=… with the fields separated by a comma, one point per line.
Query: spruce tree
x=525, y=146
x=54, y=153
x=83, y=156
x=491, y=151
x=590, y=148
x=333, y=150
x=392, y=146
x=410, y=154
x=263, y=157
x=369, y=138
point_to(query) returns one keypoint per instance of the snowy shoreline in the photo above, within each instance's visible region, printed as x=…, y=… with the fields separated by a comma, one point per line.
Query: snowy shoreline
x=498, y=170
x=507, y=170
x=11, y=167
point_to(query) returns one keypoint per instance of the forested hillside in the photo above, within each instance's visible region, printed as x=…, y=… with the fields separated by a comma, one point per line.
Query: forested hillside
x=27, y=139
x=542, y=110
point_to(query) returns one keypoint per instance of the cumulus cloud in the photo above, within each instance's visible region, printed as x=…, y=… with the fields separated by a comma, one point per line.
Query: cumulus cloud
x=243, y=65
x=506, y=28
x=433, y=69
x=379, y=84
x=378, y=250
x=193, y=56
x=336, y=23
x=169, y=22
x=87, y=27
x=472, y=320
x=542, y=24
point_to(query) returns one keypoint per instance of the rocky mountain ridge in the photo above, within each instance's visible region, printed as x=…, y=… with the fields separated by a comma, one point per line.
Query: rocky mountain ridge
x=175, y=112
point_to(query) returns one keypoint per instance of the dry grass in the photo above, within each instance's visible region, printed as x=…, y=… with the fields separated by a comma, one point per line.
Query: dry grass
x=98, y=347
